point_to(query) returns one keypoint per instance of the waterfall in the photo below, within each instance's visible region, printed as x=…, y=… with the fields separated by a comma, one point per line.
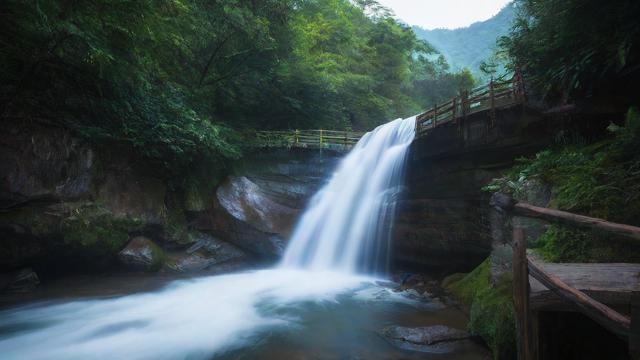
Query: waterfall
x=346, y=227
x=344, y=231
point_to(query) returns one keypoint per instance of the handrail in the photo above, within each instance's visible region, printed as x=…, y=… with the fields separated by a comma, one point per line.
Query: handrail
x=528, y=210
x=496, y=94
x=523, y=266
x=319, y=138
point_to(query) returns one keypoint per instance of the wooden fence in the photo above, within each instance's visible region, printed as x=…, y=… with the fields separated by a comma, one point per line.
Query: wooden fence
x=494, y=96
x=524, y=266
x=322, y=139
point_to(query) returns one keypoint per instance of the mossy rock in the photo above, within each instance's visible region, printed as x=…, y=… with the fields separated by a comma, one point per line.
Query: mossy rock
x=96, y=231
x=491, y=314
x=143, y=254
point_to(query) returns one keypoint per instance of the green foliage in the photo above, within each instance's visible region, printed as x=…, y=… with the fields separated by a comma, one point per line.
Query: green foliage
x=567, y=46
x=491, y=314
x=600, y=179
x=178, y=81
x=563, y=244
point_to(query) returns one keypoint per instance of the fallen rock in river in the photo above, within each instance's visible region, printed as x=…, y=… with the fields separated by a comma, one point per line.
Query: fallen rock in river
x=436, y=339
x=142, y=254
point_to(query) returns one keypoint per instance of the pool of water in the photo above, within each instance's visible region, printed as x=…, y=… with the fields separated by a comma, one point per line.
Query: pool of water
x=267, y=314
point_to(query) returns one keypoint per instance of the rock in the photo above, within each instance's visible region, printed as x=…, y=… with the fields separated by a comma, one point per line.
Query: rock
x=204, y=254
x=131, y=195
x=24, y=280
x=218, y=222
x=437, y=338
x=245, y=201
x=42, y=162
x=142, y=254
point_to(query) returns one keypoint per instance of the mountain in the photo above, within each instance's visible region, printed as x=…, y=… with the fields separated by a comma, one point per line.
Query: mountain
x=467, y=47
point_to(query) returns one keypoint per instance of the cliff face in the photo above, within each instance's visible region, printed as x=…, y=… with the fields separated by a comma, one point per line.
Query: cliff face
x=68, y=206
x=445, y=221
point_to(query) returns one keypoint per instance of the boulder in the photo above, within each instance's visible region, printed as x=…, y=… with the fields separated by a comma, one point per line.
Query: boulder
x=142, y=254
x=23, y=280
x=436, y=339
x=245, y=201
x=205, y=253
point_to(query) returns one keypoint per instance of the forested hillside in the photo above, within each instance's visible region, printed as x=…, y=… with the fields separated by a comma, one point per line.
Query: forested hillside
x=179, y=82
x=468, y=47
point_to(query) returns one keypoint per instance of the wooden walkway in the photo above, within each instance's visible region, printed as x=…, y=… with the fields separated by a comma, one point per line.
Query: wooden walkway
x=495, y=96
x=312, y=139
x=490, y=98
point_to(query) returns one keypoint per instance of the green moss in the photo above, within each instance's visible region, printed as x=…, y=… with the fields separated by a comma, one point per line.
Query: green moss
x=95, y=230
x=159, y=257
x=490, y=305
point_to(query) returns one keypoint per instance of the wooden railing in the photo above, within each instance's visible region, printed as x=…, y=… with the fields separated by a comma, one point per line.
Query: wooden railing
x=491, y=97
x=524, y=266
x=322, y=139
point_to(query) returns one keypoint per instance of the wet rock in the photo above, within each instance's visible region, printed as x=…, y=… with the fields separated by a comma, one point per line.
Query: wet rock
x=219, y=223
x=24, y=280
x=437, y=339
x=142, y=254
x=245, y=201
x=205, y=253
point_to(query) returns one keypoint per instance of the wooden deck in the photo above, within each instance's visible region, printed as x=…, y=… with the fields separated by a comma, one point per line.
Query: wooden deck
x=611, y=284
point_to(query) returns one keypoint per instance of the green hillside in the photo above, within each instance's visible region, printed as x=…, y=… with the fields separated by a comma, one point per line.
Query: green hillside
x=467, y=47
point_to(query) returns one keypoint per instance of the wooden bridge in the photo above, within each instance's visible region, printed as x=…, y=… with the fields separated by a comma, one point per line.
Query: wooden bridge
x=592, y=289
x=313, y=139
x=489, y=98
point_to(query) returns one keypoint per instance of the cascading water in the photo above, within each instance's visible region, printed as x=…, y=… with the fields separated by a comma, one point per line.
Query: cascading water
x=346, y=227
x=311, y=304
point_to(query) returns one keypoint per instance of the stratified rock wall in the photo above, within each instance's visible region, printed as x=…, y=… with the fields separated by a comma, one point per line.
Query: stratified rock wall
x=445, y=221
x=66, y=205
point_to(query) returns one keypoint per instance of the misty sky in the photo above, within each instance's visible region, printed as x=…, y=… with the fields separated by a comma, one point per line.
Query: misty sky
x=449, y=14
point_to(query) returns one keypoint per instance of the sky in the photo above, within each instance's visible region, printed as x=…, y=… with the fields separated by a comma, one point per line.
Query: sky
x=448, y=14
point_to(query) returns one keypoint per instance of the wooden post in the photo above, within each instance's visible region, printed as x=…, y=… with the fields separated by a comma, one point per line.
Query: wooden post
x=634, y=334
x=297, y=136
x=492, y=96
x=454, y=108
x=464, y=99
x=521, y=294
x=346, y=136
x=435, y=115
x=321, y=140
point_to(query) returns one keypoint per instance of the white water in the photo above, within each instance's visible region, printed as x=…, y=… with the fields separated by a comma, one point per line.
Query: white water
x=344, y=231
x=346, y=227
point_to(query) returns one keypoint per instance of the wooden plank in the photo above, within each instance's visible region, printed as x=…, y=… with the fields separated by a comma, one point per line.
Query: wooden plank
x=611, y=284
x=521, y=294
x=599, y=312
